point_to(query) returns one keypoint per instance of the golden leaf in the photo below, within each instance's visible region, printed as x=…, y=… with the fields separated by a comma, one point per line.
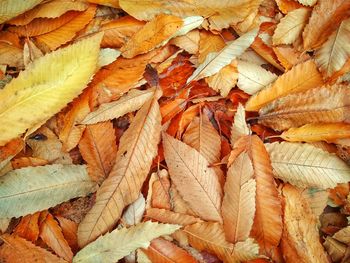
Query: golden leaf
x=209, y=42
x=300, y=241
x=307, y=2
x=124, y=183
x=121, y=242
x=33, y=97
x=188, y=42
x=12, y=8
x=238, y=205
x=302, y=77
x=305, y=165
x=224, y=80
x=196, y=182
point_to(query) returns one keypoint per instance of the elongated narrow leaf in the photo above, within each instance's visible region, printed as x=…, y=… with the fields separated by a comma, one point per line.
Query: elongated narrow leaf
x=169, y=217
x=239, y=126
x=305, y=165
x=121, y=242
x=12, y=8
x=137, y=148
x=99, y=149
x=33, y=97
x=210, y=237
x=334, y=53
x=196, y=182
x=290, y=27
x=217, y=60
x=314, y=132
x=27, y=190
x=300, y=230
x=132, y=101
x=302, y=77
x=18, y=250
x=238, y=205
x=329, y=104
x=252, y=77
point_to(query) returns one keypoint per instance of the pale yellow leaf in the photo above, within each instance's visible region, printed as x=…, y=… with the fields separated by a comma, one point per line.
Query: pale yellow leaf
x=335, y=52
x=31, y=189
x=39, y=92
x=290, y=27
x=301, y=240
x=239, y=126
x=137, y=148
x=215, y=61
x=317, y=200
x=188, y=42
x=121, y=242
x=328, y=104
x=305, y=165
x=107, y=56
x=238, y=205
x=130, y=102
x=302, y=77
x=307, y=2
x=252, y=77
x=134, y=212
x=12, y=8
x=4, y=223
x=196, y=182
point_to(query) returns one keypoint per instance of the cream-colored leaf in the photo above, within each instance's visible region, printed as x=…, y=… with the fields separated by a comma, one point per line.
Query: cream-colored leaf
x=107, y=56
x=305, y=165
x=189, y=23
x=18, y=250
x=301, y=240
x=334, y=53
x=238, y=205
x=131, y=101
x=343, y=235
x=246, y=250
x=290, y=27
x=4, y=223
x=239, y=126
x=302, y=77
x=307, y=2
x=12, y=8
x=137, y=148
x=215, y=61
x=188, y=42
x=196, y=182
x=252, y=77
x=169, y=217
x=317, y=200
x=39, y=92
x=134, y=213
x=328, y=104
x=121, y=242
x=220, y=14
x=28, y=190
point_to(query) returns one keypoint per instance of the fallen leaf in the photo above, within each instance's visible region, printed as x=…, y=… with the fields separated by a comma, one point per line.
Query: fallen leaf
x=239, y=126
x=69, y=230
x=334, y=248
x=169, y=217
x=134, y=212
x=10, y=8
x=28, y=227
x=188, y=42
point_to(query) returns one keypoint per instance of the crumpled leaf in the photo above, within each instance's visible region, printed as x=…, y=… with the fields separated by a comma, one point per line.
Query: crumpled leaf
x=25, y=191
x=12, y=8
x=305, y=165
x=25, y=102
x=120, y=242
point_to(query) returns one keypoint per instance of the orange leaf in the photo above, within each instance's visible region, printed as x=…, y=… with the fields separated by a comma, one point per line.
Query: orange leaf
x=99, y=149
x=163, y=251
x=10, y=149
x=69, y=230
x=287, y=5
x=160, y=191
x=28, y=227
x=27, y=161
x=169, y=217
x=18, y=250
x=51, y=234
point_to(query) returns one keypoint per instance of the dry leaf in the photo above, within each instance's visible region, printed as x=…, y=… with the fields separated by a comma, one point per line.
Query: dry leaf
x=134, y=212
x=159, y=190
x=12, y=8
x=69, y=230
x=131, y=167
x=302, y=77
x=98, y=147
x=28, y=227
x=238, y=205
x=120, y=242
x=209, y=42
x=335, y=249
x=239, y=126
x=188, y=42
x=300, y=240
x=169, y=217
x=305, y=165
x=25, y=191
x=26, y=101
x=195, y=181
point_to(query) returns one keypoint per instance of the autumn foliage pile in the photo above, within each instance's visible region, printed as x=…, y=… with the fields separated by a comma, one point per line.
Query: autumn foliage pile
x=174, y=131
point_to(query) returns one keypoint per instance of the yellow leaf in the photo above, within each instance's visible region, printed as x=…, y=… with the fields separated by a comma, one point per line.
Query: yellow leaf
x=209, y=42
x=305, y=165
x=328, y=104
x=290, y=27
x=335, y=52
x=196, y=182
x=34, y=97
x=302, y=77
x=215, y=61
x=111, y=3
x=325, y=18
x=18, y=250
x=12, y=8
x=307, y=2
x=220, y=15
x=137, y=148
x=121, y=242
x=301, y=241
x=224, y=80
x=25, y=191
x=314, y=132
x=238, y=205
x=239, y=126
x=188, y=42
